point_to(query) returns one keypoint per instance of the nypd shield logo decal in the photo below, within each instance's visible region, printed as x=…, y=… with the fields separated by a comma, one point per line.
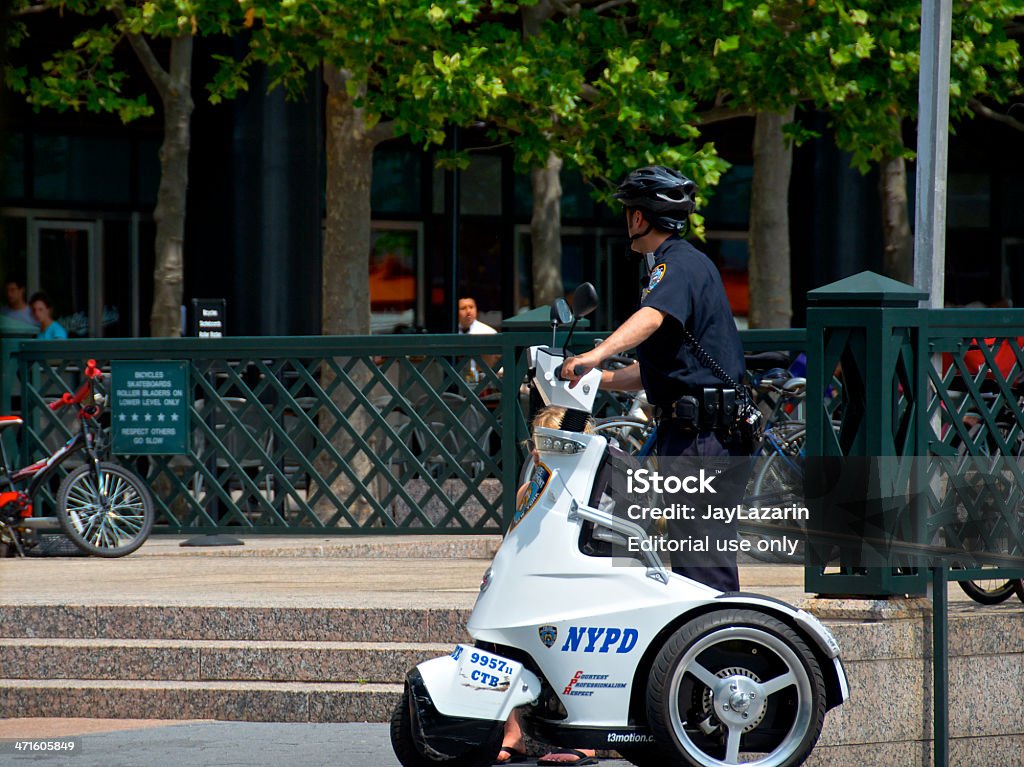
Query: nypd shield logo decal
x=548, y=635
x=657, y=274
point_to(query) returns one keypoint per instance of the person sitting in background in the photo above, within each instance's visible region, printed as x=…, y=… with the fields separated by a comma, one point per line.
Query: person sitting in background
x=17, y=308
x=42, y=310
x=470, y=325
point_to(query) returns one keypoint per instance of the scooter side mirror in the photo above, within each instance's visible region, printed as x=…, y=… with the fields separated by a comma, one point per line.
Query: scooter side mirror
x=584, y=300
x=561, y=314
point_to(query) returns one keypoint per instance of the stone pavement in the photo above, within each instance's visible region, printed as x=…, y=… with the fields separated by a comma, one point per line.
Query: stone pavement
x=149, y=743
x=392, y=571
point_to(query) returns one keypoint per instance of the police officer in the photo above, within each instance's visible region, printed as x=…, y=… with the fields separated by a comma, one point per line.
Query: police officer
x=695, y=408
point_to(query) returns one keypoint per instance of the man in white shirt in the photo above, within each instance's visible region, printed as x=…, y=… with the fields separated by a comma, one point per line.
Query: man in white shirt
x=470, y=325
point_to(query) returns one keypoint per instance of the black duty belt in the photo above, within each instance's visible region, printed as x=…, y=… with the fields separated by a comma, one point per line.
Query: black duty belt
x=712, y=408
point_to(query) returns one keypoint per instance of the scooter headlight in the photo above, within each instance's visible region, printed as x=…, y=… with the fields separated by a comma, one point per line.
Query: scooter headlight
x=546, y=444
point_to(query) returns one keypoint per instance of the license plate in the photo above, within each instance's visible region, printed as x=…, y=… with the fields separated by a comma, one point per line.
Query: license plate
x=483, y=670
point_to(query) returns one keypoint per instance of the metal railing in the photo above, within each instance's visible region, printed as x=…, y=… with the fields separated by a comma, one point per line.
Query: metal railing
x=348, y=435
x=423, y=434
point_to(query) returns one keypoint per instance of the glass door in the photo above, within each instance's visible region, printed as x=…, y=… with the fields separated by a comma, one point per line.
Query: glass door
x=65, y=263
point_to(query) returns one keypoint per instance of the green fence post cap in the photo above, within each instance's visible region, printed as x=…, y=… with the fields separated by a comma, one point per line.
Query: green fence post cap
x=867, y=289
x=536, y=319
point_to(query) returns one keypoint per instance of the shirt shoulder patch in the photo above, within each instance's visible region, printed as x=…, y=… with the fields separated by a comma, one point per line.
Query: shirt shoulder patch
x=657, y=275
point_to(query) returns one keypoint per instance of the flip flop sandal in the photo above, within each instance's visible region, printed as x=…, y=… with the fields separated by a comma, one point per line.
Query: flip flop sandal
x=514, y=756
x=581, y=758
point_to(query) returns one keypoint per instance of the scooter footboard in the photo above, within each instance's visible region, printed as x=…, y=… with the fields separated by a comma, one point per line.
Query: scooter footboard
x=476, y=684
x=460, y=700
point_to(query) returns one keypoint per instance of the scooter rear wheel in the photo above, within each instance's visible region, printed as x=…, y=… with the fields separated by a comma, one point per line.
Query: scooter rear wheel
x=410, y=756
x=736, y=686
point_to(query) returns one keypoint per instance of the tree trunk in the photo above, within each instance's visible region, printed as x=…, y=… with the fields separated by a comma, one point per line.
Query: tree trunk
x=546, y=223
x=169, y=214
x=546, y=232
x=770, y=301
x=346, y=256
x=346, y=288
x=899, y=240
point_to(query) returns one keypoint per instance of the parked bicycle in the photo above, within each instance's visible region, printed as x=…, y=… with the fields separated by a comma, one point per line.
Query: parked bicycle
x=778, y=477
x=987, y=454
x=103, y=508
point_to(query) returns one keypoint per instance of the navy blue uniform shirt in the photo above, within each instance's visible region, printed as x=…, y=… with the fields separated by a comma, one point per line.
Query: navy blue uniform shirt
x=688, y=288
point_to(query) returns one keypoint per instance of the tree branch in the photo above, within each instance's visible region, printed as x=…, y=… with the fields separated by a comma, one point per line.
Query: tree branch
x=607, y=6
x=984, y=111
x=160, y=77
x=589, y=93
x=30, y=9
x=564, y=9
x=382, y=131
x=721, y=114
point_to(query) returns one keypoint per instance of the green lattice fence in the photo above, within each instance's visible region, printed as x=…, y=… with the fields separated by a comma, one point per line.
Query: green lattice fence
x=975, y=431
x=344, y=435
x=340, y=435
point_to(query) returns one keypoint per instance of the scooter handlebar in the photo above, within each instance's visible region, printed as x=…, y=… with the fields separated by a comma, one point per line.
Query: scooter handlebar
x=579, y=370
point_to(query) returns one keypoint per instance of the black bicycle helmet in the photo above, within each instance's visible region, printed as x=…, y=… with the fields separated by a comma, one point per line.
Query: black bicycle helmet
x=665, y=195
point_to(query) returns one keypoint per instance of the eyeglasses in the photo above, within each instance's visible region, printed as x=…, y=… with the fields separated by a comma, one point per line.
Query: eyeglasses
x=531, y=446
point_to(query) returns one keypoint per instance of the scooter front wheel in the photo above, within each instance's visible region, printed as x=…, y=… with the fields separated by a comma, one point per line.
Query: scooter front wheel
x=409, y=755
x=736, y=686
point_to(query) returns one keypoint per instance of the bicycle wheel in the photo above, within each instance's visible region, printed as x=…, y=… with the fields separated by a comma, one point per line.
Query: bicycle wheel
x=105, y=509
x=989, y=591
x=779, y=482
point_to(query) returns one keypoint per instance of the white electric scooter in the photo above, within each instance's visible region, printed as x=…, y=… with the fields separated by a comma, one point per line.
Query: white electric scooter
x=660, y=668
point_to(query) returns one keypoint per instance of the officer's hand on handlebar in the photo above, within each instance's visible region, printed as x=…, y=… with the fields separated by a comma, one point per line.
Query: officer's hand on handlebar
x=574, y=368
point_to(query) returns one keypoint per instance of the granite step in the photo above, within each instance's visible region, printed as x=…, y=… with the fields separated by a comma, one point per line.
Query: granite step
x=238, y=623
x=227, y=701
x=212, y=661
x=444, y=547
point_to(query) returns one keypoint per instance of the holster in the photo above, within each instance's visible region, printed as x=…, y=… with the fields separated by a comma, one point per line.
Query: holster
x=709, y=409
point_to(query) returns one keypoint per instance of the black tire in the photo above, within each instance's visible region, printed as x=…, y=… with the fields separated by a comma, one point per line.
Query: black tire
x=1018, y=586
x=735, y=682
x=644, y=756
x=989, y=592
x=111, y=523
x=405, y=749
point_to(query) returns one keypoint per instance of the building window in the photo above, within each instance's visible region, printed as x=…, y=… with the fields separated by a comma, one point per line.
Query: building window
x=968, y=201
x=396, y=181
x=396, y=276
x=81, y=169
x=12, y=167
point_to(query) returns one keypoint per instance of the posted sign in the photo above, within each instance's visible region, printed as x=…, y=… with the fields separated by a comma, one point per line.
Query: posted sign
x=149, y=407
x=209, y=317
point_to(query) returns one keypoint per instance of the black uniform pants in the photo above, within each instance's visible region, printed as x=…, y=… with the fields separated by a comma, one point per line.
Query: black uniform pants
x=681, y=452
